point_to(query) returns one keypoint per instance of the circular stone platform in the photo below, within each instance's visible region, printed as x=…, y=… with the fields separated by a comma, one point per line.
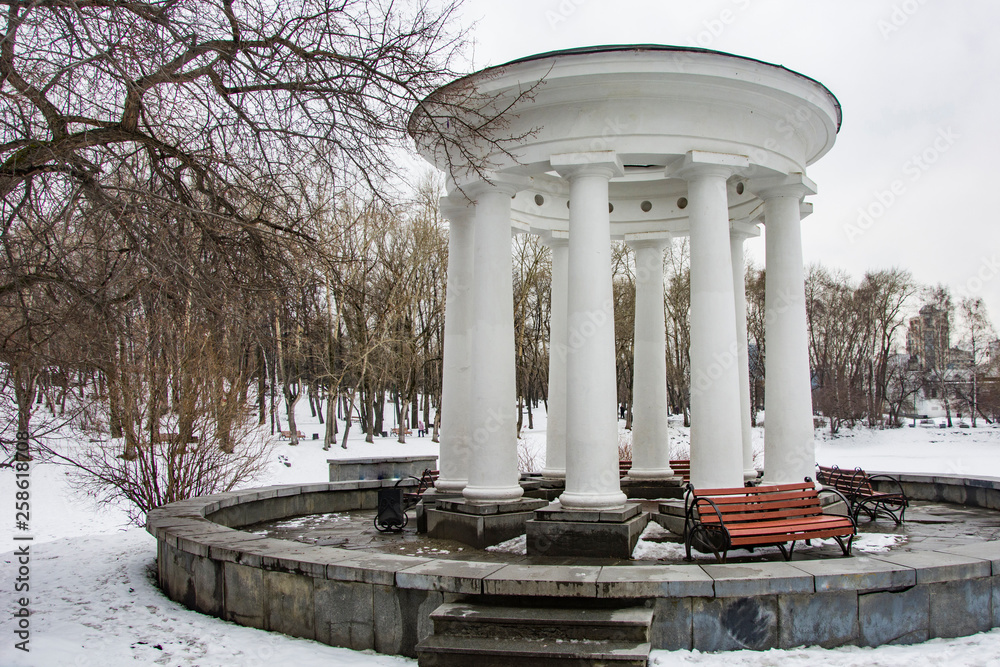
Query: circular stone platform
x=940, y=583
x=929, y=526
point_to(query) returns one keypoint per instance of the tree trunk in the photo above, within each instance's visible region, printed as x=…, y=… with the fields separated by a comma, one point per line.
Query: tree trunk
x=520, y=414
x=427, y=411
x=292, y=397
x=379, y=412
x=437, y=422
x=369, y=419
x=24, y=394
x=331, y=424
x=348, y=405
x=401, y=418
x=262, y=390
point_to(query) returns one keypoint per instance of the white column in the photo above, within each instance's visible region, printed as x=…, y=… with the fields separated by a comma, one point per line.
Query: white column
x=736, y=239
x=716, y=435
x=493, y=474
x=650, y=437
x=456, y=372
x=592, y=481
x=789, y=448
x=555, y=430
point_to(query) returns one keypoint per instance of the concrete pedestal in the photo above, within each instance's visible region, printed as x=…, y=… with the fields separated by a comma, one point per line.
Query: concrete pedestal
x=477, y=524
x=555, y=531
x=649, y=489
x=429, y=501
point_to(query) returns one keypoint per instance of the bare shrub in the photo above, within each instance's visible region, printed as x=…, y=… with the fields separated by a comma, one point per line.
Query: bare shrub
x=625, y=446
x=165, y=470
x=527, y=457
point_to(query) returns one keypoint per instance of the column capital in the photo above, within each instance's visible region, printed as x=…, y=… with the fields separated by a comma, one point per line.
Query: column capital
x=456, y=208
x=555, y=238
x=788, y=185
x=495, y=182
x=743, y=229
x=659, y=240
x=702, y=163
x=594, y=163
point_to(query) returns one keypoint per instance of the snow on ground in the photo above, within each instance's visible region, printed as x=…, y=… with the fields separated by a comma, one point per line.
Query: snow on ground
x=95, y=601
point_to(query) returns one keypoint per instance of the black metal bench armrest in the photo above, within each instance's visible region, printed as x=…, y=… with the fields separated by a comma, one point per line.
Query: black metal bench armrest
x=847, y=504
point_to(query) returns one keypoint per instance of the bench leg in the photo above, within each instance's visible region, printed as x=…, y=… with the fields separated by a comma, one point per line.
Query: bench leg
x=787, y=552
x=846, y=549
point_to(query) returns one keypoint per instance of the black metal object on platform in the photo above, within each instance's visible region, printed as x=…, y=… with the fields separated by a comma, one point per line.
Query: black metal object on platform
x=391, y=516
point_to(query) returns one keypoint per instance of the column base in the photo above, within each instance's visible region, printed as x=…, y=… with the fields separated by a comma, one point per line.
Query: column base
x=650, y=473
x=450, y=485
x=553, y=473
x=560, y=532
x=491, y=495
x=751, y=475
x=477, y=524
x=592, y=502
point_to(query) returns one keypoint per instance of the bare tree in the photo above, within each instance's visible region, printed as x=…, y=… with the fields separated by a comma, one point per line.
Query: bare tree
x=978, y=333
x=756, y=326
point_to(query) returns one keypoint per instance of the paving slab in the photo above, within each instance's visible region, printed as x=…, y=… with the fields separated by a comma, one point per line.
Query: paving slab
x=860, y=573
x=985, y=550
x=650, y=581
x=934, y=566
x=249, y=551
x=371, y=568
x=752, y=579
x=302, y=558
x=449, y=576
x=547, y=580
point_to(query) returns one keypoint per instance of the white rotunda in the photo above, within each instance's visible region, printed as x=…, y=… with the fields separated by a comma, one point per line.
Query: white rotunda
x=641, y=143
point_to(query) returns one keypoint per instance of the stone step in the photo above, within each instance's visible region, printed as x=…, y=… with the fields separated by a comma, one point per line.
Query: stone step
x=516, y=622
x=457, y=651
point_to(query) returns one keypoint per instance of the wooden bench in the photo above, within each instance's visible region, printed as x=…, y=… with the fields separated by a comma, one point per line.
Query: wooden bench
x=759, y=516
x=424, y=482
x=856, y=485
x=624, y=465
x=395, y=431
x=287, y=435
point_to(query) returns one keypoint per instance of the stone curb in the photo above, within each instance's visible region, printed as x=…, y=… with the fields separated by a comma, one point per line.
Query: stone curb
x=184, y=525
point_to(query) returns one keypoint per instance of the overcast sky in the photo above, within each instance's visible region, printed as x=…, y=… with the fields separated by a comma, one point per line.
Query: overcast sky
x=918, y=83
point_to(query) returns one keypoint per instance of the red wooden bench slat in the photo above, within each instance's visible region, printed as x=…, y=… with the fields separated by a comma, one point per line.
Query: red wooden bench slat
x=772, y=527
x=749, y=517
x=744, y=490
x=783, y=538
